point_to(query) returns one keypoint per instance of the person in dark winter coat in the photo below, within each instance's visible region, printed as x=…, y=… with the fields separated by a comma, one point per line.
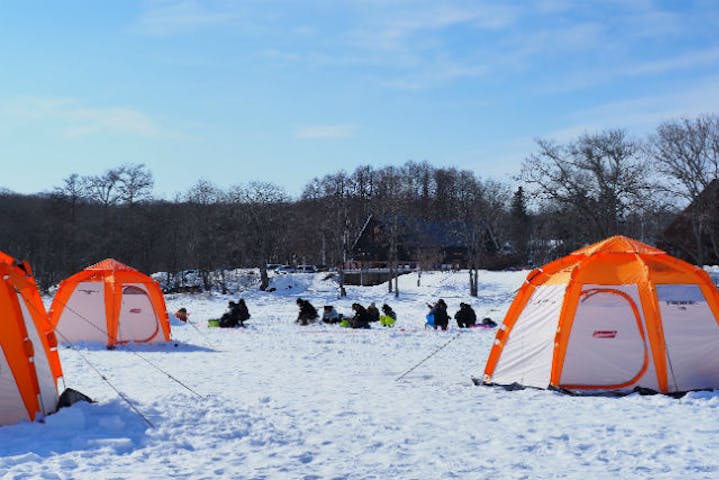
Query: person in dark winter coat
x=465, y=316
x=230, y=318
x=360, y=319
x=372, y=313
x=439, y=310
x=241, y=312
x=307, y=314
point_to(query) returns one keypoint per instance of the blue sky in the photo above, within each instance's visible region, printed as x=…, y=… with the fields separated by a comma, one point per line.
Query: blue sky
x=283, y=91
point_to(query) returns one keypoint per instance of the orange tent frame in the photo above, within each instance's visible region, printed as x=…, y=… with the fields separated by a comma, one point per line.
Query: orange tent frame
x=16, y=339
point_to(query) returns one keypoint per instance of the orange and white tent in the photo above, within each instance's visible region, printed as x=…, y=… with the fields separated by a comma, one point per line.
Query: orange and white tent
x=112, y=303
x=29, y=363
x=613, y=316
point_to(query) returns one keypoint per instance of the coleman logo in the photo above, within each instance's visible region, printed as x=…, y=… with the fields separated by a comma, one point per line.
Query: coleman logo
x=135, y=310
x=604, y=334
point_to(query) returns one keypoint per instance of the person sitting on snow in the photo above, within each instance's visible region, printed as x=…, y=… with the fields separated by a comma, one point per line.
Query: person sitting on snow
x=307, y=314
x=182, y=314
x=488, y=322
x=330, y=315
x=230, y=318
x=388, y=317
x=372, y=313
x=465, y=316
x=360, y=319
x=241, y=312
x=439, y=311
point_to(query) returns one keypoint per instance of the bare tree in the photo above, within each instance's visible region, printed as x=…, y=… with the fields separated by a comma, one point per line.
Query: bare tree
x=72, y=192
x=601, y=177
x=687, y=152
x=200, y=223
x=104, y=189
x=135, y=183
x=261, y=208
x=390, y=201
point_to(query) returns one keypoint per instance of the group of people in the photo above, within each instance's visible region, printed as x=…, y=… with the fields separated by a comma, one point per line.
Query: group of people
x=237, y=314
x=362, y=317
x=465, y=316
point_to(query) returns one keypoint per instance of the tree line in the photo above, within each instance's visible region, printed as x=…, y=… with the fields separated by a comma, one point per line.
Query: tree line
x=565, y=196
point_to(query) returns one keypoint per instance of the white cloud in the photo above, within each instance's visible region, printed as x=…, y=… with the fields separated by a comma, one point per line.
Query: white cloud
x=74, y=119
x=398, y=28
x=553, y=6
x=325, y=132
x=410, y=42
x=434, y=74
x=643, y=114
x=173, y=16
x=590, y=77
x=653, y=24
x=685, y=60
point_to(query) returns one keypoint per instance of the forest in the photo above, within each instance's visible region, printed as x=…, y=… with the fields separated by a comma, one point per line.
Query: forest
x=564, y=196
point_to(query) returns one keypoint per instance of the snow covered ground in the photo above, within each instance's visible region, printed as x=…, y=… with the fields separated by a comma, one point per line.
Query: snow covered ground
x=280, y=401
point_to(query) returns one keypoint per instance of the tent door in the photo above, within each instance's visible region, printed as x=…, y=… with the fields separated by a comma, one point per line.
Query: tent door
x=691, y=334
x=607, y=347
x=138, y=322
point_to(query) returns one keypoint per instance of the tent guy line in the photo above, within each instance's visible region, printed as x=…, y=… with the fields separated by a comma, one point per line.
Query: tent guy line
x=137, y=354
x=429, y=356
x=124, y=397
x=92, y=366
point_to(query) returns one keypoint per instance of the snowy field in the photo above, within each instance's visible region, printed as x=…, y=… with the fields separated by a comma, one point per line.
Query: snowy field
x=280, y=401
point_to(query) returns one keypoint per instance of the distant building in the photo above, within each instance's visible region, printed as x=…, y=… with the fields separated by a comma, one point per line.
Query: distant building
x=694, y=233
x=420, y=243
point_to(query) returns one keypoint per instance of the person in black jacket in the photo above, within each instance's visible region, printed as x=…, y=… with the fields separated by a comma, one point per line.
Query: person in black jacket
x=230, y=319
x=360, y=319
x=465, y=316
x=241, y=312
x=372, y=313
x=307, y=313
x=439, y=310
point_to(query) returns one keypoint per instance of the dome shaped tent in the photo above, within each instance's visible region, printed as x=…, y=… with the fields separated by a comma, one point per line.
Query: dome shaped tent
x=29, y=363
x=110, y=302
x=613, y=316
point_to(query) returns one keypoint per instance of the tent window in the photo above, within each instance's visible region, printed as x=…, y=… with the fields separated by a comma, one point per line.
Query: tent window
x=132, y=290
